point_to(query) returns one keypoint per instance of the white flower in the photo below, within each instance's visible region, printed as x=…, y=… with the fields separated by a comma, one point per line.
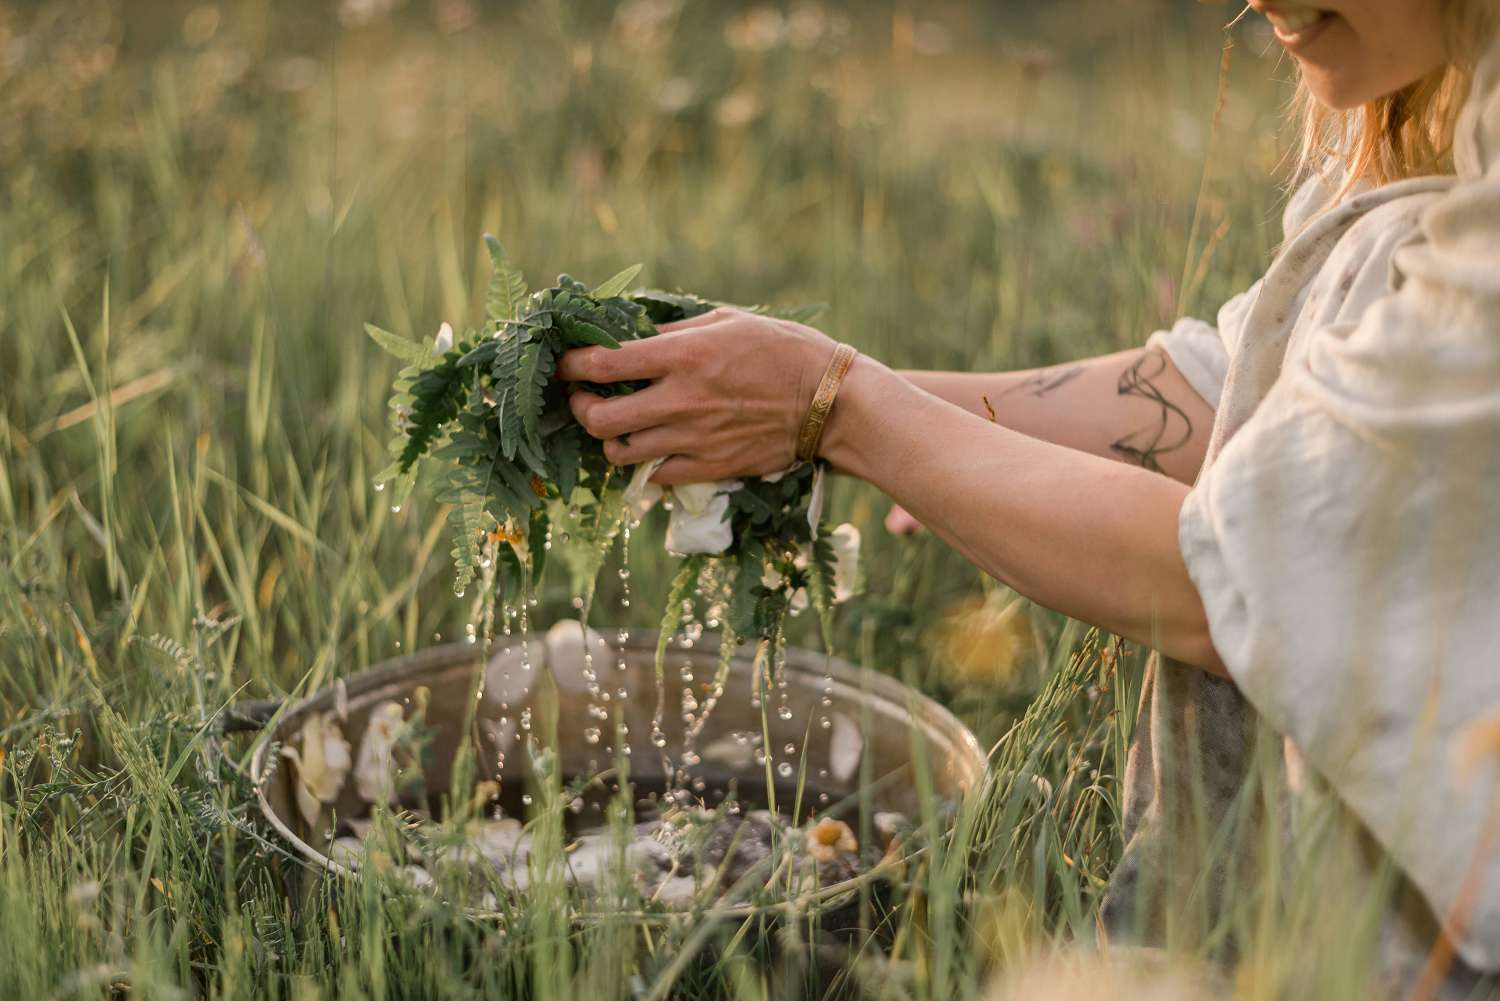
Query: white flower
x=829, y=838
x=695, y=498
x=443, y=342
x=705, y=532
x=641, y=495
x=322, y=761
x=375, y=770
x=845, y=541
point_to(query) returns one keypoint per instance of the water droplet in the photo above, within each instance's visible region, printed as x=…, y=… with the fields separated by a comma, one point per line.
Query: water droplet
x=395, y=509
x=591, y=735
x=790, y=749
x=379, y=486
x=825, y=723
x=458, y=593
x=785, y=712
x=784, y=769
x=526, y=798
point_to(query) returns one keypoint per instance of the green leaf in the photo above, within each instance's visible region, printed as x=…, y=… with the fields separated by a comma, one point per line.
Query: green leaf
x=618, y=284
x=537, y=546
x=565, y=448
x=820, y=584
x=581, y=332
x=533, y=372
x=507, y=285
x=407, y=351
x=481, y=355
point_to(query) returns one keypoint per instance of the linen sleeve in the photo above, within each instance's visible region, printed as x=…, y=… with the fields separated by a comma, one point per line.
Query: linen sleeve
x=1346, y=545
x=1201, y=351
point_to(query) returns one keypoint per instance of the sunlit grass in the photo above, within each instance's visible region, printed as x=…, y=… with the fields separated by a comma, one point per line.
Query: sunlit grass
x=203, y=205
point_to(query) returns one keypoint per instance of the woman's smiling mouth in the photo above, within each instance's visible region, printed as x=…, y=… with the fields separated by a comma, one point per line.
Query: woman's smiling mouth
x=1296, y=26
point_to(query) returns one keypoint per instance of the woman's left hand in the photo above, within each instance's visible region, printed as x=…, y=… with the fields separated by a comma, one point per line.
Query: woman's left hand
x=729, y=392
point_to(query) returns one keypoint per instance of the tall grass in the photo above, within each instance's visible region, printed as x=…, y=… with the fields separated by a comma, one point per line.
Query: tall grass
x=203, y=204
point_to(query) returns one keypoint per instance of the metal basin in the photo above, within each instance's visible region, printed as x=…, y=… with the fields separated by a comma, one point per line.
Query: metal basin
x=877, y=730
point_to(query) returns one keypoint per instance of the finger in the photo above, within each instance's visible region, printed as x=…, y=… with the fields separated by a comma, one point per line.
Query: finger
x=613, y=416
x=643, y=446
x=701, y=320
x=684, y=469
x=645, y=359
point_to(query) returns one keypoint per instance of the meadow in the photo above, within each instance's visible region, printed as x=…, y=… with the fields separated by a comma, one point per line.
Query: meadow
x=201, y=206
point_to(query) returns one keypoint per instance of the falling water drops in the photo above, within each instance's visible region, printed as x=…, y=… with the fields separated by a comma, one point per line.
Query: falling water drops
x=784, y=769
x=379, y=486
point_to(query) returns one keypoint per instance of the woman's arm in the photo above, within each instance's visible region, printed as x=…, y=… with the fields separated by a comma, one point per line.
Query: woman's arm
x=1133, y=405
x=1076, y=532
x=1090, y=537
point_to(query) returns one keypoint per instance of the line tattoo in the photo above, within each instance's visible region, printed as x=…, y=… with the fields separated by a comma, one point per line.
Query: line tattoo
x=1170, y=431
x=1045, y=382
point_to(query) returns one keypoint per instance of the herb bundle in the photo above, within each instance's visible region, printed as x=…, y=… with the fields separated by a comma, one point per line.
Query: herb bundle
x=487, y=414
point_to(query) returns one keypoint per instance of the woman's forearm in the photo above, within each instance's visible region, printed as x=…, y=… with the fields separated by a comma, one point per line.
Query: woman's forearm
x=1134, y=406
x=1092, y=538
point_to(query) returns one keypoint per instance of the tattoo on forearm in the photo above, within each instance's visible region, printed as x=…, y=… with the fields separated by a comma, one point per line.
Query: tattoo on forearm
x=1045, y=382
x=1171, y=430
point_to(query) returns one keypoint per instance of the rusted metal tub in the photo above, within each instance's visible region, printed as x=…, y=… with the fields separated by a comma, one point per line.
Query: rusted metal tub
x=877, y=729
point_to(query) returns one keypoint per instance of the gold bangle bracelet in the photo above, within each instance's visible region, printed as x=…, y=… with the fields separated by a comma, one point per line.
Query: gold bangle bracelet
x=822, y=403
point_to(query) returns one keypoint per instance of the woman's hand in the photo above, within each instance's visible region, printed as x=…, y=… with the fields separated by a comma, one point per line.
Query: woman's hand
x=729, y=392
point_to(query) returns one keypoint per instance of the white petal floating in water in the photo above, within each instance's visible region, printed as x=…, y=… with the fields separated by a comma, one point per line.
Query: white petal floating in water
x=507, y=678
x=846, y=745
x=322, y=760
x=569, y=654
x=375, y=768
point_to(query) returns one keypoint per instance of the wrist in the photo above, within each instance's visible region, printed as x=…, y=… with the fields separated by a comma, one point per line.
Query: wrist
x=855, y=415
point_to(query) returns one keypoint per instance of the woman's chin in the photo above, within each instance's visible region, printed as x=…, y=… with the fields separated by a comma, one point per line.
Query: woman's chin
x=1336, y=90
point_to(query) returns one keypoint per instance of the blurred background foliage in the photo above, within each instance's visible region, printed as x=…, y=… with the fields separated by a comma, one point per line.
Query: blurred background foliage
x=201, y=204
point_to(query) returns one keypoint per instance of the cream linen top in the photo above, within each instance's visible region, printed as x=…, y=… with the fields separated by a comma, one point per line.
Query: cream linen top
x=1344, y=533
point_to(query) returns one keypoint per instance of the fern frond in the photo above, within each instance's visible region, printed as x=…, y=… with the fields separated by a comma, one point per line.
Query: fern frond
x=533, y=372
x=408, y=351
x=507, y=285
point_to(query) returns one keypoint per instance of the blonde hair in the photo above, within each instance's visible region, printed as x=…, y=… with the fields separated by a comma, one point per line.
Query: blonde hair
x=1405, y=134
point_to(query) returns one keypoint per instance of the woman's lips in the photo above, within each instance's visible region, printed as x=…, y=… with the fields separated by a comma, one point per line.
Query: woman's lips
x=1298, y=27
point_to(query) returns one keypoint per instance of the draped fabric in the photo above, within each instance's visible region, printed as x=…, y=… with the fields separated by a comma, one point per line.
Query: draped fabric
x=1344, y=535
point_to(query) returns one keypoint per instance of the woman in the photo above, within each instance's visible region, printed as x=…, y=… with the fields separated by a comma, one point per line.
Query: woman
x=1335, y=563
